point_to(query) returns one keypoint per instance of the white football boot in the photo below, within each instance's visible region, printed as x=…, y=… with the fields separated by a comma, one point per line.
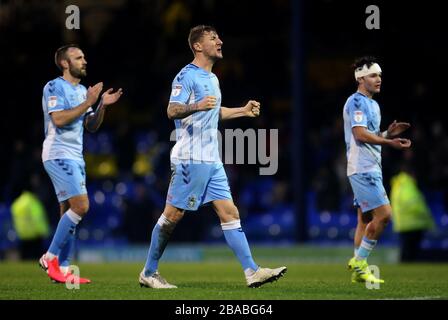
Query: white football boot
x=155, y=281
x=264, y=275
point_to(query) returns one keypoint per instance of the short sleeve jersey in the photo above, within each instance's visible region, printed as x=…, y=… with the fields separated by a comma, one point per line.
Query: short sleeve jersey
x=65, y=142
x=197, y=134
x=360, y=110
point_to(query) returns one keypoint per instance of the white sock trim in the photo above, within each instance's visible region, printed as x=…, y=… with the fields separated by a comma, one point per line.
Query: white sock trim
x=73, y=216
x=366, y=245
x=163, y=221
x=235, y=224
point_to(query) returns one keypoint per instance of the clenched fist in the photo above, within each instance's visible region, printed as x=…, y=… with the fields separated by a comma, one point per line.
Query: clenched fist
x=208, y=103
x=252, y=108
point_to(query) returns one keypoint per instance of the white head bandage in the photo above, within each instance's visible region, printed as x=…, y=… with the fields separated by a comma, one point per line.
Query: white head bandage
x=364, y=71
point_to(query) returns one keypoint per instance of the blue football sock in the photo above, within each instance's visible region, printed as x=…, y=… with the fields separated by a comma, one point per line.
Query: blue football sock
x=66, y=228
x=366, y=247
x=67, y=251
x=236, y=239
x=159, y=239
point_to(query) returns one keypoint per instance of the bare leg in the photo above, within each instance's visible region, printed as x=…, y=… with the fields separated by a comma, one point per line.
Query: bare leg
x=363, y=221
x=373, y=231
x=381, y=218
x=79, y=204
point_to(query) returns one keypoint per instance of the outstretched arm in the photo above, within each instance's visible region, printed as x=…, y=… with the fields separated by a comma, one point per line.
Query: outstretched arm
x=94, y=121
x=178, y=110
x=251, y=109
x=362, y=135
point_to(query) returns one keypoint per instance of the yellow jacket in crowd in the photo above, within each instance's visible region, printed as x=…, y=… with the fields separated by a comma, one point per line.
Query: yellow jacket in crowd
x=29, y=217
x=409, y=209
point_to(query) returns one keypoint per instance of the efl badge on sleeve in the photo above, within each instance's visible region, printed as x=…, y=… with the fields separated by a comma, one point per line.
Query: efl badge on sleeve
x=52, y=101
x=358, y=116
x=176, y=90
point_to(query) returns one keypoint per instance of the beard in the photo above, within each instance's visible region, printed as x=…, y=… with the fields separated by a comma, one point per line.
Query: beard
x=77, y=72
x=215, y=58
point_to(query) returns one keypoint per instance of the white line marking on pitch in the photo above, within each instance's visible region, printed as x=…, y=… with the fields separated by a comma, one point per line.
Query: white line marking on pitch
x=414, y=298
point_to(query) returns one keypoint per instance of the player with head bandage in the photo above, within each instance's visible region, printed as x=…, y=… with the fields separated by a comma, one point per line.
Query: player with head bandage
x=364, y=140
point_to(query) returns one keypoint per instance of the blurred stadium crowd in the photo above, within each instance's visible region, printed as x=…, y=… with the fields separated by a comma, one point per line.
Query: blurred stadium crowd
x=141, y=45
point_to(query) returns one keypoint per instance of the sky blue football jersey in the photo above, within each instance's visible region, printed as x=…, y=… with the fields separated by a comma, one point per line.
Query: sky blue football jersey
x=360, y=110
x=65, y=142
x=197, y=134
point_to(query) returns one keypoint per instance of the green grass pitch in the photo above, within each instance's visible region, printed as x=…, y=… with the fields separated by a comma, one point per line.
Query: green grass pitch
x=224, y=280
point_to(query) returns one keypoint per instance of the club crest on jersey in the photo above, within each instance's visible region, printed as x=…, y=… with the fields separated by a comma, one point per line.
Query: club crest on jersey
x=191, y=202
x=176, y=90
x=52, y=101
x=358, y=116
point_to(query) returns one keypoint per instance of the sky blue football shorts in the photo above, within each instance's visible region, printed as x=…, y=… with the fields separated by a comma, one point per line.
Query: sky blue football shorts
x=68, y=177
x=368, y=190
x=195, y=184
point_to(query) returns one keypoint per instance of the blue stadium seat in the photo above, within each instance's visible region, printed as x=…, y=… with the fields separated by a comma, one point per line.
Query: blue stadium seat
x=8, y=238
